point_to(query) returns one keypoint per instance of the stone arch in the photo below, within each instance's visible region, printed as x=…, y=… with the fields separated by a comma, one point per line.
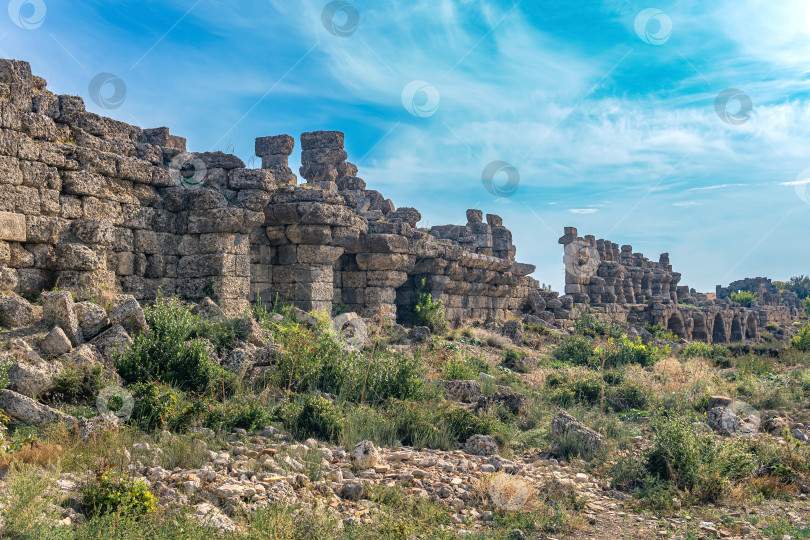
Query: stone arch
x=751, y=327
x=719, y=330
x=700, y=332
x=676, y=326
x=736, y=329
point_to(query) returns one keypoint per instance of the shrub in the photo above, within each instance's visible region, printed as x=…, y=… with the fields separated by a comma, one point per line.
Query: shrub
x=576, y=350
x=623, y=351
x=458, y=369
x=590, y=325
x=316, y=416
x=806, y=306
x=114, y=492
x=704, y=350
x=79, y=384
x=744, y=298
x=426, y=312
x=801, y=341
x=660, y=332
x=156, y=405
x=166, y=353
x=517, y=360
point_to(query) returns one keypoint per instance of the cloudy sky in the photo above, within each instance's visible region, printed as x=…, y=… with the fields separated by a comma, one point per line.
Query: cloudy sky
x=679, y=126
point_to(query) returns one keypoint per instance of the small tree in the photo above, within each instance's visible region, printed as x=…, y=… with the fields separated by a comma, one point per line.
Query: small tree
x=426, y=312
x=744, y=298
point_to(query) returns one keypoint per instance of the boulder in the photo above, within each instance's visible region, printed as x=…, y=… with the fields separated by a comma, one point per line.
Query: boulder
x=248, y=327
x=26, y=410
x=58, y=307
x=481, y=445
x=85, y=356
x=129, y=315
x=365, y=455
x=352, y=490
x=92, y=318
x=464, y=391
x=240, y=360
x=31, y=380
x=516, y=404
x=514, y=331
x=725, y=422
x=207, y=309
x=113, y=341
x=15, y=312
x=419, y=334
x=55, y=343
x=565, y=425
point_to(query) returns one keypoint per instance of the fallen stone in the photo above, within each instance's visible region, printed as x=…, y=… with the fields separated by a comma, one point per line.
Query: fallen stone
x=481, y=445
x=15, y=312
x=129, y=315
x=566, y=426
x=92, y=318
x=57, y=307
x=464, y=391
x=112, y=342
x=55, y=343
x=26, y=410
x=365, y=455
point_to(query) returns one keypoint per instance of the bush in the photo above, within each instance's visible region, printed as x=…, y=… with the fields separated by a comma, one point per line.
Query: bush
x=458, y=369
x=313, y=416
x=704, y=350
x=156, y=405
x=801, y=341
x=79, y=384
x=590, y=325
x=426, y=312
x=576, y=350
x=517, y=360
x=744, y=298
x=806, y=306
x=114, y=492
x=167, y=353
x=623, y=351
x=660, y=332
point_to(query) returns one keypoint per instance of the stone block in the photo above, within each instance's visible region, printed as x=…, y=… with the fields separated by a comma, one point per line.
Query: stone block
x=321, y=139
x=58, y=307
x=12, y=227
x=261, y=179
x=275, y=145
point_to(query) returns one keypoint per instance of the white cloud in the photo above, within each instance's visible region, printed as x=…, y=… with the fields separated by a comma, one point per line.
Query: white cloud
x=583, y=211
x=686, y=204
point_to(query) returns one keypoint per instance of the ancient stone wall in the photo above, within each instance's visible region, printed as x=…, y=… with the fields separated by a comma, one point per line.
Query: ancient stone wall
x=627, y=287
x=90, y=204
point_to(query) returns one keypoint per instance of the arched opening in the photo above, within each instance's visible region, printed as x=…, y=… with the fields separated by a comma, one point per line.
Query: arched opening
x=719, y=330
x=736, y=330
x=675, y=326
x=700, y=332
x=751, y=327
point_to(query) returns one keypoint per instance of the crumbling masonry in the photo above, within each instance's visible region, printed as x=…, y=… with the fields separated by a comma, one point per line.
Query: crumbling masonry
x=90, y=204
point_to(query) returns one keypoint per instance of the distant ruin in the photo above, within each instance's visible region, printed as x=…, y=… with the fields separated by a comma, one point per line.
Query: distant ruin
x=91, y=204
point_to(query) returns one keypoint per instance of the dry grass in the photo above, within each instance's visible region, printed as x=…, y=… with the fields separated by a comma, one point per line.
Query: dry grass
x=38, y=453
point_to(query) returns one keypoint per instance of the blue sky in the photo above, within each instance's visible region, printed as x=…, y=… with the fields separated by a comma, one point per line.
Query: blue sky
x=613, y=131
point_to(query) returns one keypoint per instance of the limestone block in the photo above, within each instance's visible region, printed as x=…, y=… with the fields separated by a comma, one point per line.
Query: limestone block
x=58, y=307
x=261, y=179
x=92, y=318
x=12, y=227
x=321, y=139
x=276, y=145
x=385, y=261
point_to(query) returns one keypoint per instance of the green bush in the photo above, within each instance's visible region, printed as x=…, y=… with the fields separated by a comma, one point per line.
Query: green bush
x=79, y=384
x=167, y=353
x=458, y=369
x=704, y=350
x=744, y=298
x=592, y=326
x=426, y=312
x=623, y=351
x=312, y=416
x=660, y=332
x=576, y=350
x=586, y=389
x=112, y=492
x=801, y=341
x=517, y=360
x=806, y=306
x=156, y=405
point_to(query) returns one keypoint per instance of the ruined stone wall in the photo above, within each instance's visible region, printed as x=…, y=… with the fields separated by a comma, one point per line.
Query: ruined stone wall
x=627, y=287
x=90, y=204
x=767, y=293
